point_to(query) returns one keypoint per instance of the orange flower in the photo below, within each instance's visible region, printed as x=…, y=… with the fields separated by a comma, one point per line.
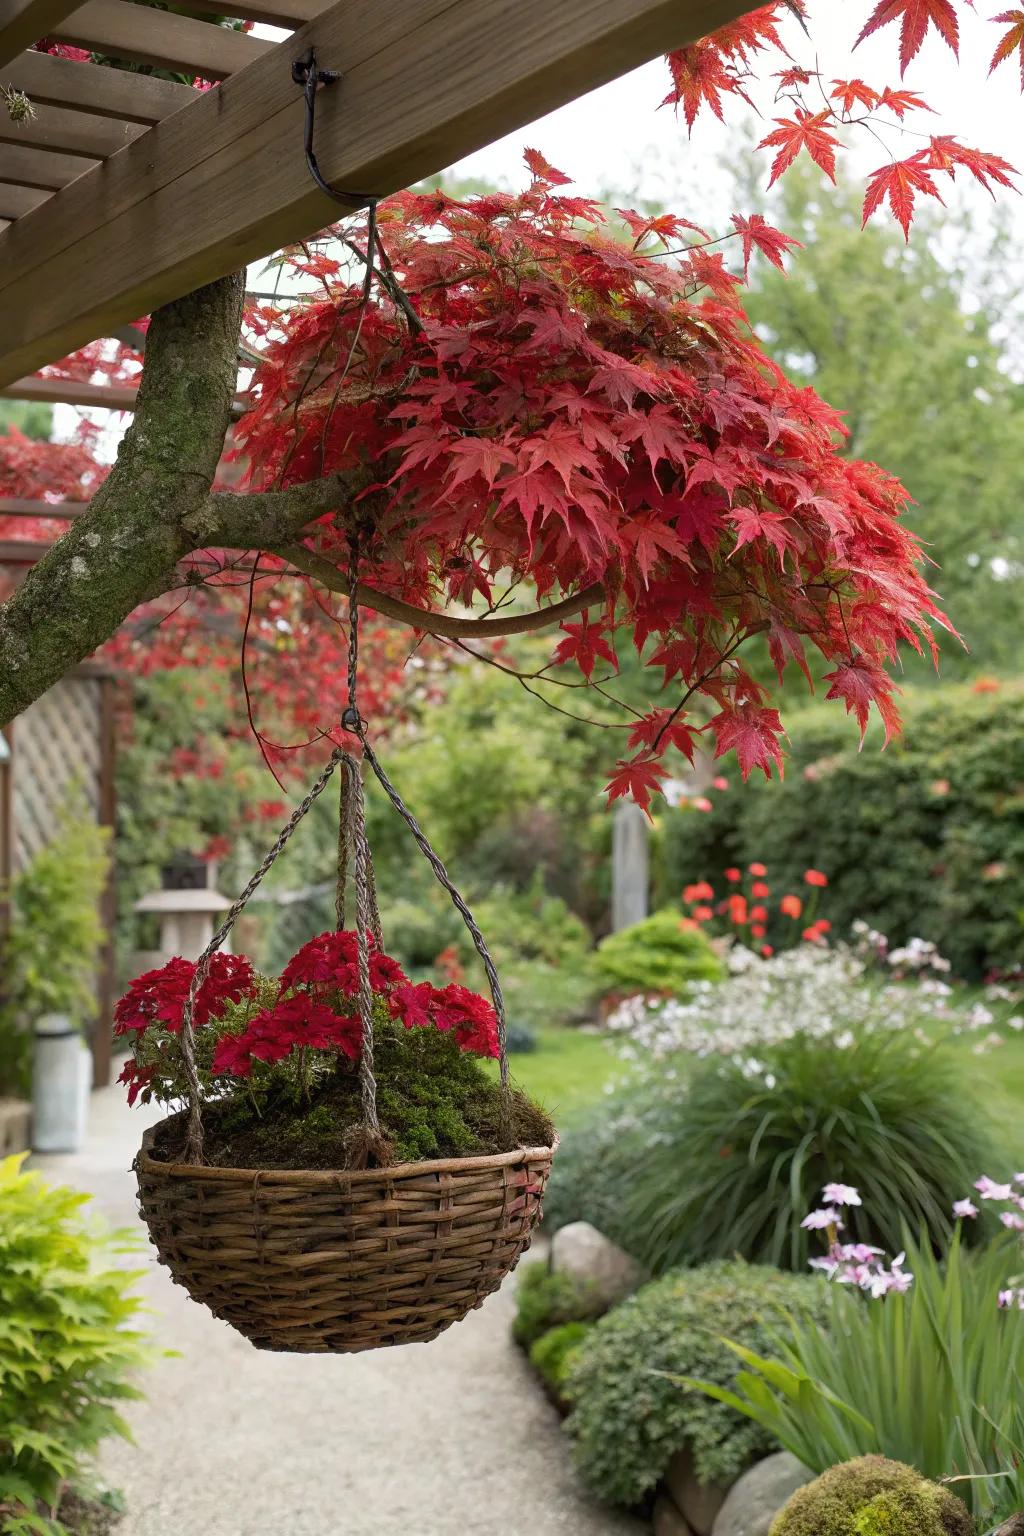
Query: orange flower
x=738, y=908
x=813, y=935
x=791, y=906
x=689, y=925
x=985, y=685
x=703, y=914
x=734, y=876
x=758, y=870
x=760, y=890
x=700, y=891
x=759, y=914
x=702, y=803
x=720, y=783
x=758, y=930
x=823, y=925
x=815, y=877
x=767, y=951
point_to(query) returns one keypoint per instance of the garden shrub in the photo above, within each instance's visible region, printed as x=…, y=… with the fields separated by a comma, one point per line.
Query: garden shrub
x=52, y=950
x=69, y=1347
x=656, y=955
x=723, y=1156
x=552, y=1355
x=629, y=1418
x=873, y=1497
x=546, y=1300
x=925, y=839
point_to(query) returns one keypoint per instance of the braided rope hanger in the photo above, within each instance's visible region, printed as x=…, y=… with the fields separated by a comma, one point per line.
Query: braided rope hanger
x=351, y=832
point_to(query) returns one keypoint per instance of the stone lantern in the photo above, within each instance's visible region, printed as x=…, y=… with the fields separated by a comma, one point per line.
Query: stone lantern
x=187, y=905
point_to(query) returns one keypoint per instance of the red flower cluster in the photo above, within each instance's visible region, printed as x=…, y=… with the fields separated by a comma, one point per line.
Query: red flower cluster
x=159, y=997
x=317, y=1007
x=751, y=914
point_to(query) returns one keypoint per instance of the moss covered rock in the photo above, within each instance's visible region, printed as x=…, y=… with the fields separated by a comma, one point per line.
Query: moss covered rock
x=873, y=1497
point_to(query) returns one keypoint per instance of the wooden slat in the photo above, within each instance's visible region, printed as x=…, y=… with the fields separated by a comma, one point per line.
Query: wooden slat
x=278, y=13
x=112, y=397
x=161, y=38
x=72, y=133
x=17, y=506
x=24, y=22
x=16, y=201
x=21, y=551
x=224, y=182
x=23, y=167
x=84, y=87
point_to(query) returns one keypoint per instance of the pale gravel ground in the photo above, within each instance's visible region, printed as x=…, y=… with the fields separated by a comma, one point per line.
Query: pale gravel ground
x=452, y=1438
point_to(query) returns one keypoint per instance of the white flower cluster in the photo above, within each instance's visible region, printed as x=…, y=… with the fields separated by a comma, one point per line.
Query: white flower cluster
x=811, y=991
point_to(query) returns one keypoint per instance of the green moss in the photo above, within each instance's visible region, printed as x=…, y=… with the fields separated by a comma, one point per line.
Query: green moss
x=554, y=1352
x=433, y=1101
x=873, y=1497
x=545, y=1300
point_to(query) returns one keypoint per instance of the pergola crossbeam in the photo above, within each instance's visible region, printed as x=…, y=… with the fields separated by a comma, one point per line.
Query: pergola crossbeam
x=78, y=86
x=24, y=22
x=41, y=168
x=224, y=182
x=50, y=389
x=162, y=39
x=72, y=133
x=16, y=201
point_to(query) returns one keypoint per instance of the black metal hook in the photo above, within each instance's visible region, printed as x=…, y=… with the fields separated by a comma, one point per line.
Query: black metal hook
x=306, y=74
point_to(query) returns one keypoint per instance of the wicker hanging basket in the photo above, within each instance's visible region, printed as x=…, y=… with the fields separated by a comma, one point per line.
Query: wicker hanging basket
x=316, y=1262
x=347, y=1260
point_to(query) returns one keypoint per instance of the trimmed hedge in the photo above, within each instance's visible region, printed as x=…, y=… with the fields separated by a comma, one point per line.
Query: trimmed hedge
x=924, y=839
x=629, y=1418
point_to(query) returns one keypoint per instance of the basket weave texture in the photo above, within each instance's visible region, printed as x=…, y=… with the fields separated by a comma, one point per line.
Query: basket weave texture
x=338, y=1262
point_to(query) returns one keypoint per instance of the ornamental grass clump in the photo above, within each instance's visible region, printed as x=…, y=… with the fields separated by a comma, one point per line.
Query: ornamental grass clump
x=278, y=1061
x=873, y=1497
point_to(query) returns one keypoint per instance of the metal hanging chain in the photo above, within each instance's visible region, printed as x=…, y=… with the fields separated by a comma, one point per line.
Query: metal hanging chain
x=194, y=1141
x=352, y=721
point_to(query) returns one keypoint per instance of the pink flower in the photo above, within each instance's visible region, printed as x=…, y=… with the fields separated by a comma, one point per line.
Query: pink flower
x=990, y=1190
x=841, y=1194
x=964, y=1208
x=821, y=1220
x=1012, y=1222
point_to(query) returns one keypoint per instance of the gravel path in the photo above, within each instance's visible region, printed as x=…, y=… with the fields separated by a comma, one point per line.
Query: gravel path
x=452, y=1438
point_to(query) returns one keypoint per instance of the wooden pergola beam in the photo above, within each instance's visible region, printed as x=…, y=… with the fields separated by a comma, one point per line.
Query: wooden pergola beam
x=41, y=168
x=110, y=397
x=78, y=86
x=277, y=13
x=19, y=506
x=160, y=38
x=225, y=182
x=24, y=22
x=71, y=133
x=15, y=201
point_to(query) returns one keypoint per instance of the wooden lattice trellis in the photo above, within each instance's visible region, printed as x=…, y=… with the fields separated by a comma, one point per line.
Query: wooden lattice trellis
x=64, y=742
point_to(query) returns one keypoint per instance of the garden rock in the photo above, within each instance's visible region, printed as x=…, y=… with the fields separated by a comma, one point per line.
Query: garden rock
x=666, y=1519
x=699, y=1502
x=607, y=1271
x=757, y=1497
x=1013, y=1527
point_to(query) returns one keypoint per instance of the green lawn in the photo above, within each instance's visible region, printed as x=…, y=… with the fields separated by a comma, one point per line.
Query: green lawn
x=567, y=1072
x=996, y=1081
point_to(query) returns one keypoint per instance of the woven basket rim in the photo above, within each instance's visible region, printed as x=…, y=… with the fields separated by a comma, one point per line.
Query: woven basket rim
x=225, y=1175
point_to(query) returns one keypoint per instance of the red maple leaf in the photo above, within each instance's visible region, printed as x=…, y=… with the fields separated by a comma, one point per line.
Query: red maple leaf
x=753, y=733
x=756, y=231
x=636, y=779
x=945, y=153
x=700, y=76
x=915, y=17
x=583, y=644
x=806, y=131
x=861, y=683
x=899, y=182
x=664, y=728
x=543, y=170
x=854, y=93
x=1012, y=41
x=902, y=102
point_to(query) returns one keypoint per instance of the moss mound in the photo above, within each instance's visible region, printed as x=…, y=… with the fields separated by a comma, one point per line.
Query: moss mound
x=434, y=1101
x=873, y=1497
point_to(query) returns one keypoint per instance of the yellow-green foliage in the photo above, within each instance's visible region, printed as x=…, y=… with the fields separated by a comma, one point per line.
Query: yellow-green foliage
x=657, y=955
x=69, y=1347
x=873, y=1497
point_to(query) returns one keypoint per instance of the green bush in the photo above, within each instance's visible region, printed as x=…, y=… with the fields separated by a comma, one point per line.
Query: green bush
x=52, y=950
x=925, y=839
x=629, y=1419
x=657, y=955
x=553, y=1354
x=873, y=1497
x=744, y=1153
x=68, y=1348
x=930, y=1376
x=602, y=1153
x=545, y=1300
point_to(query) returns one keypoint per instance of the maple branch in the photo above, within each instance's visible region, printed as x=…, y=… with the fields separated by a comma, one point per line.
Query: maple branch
x=328, y=575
